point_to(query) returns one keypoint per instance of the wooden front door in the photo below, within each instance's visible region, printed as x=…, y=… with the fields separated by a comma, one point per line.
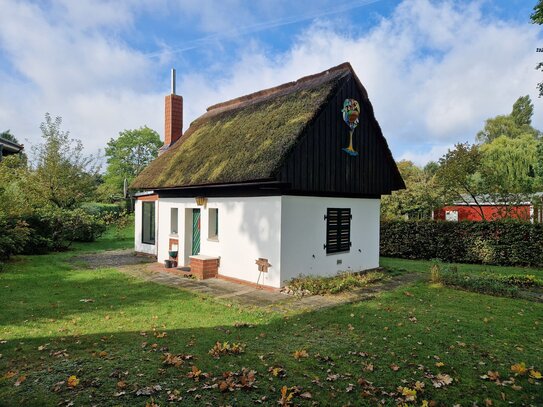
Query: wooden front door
x=195, y=231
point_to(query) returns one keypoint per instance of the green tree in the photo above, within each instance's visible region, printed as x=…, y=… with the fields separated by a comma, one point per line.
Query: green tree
x=537, y=18
x=431, y=168
x=459, y=176
x=513, y=125
x=63, y=176
x=508, y=167
x=419, y=198
x=523, y=110
x=127, y=156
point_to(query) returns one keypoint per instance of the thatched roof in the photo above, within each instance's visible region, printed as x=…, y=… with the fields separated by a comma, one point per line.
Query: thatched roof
x=245, y=139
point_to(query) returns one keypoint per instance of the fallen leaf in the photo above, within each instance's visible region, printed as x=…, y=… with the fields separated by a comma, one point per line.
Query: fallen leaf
x=409, y=394
x=442, y=380
x=9, y=374
x=226, y=348
x=299, y=354
x=277, y=371
x=519, y=368
x=534, y=374
x=147, y=391
x=493, y=376
x=395, y=367
x=368, y=367
x=440, y=364
x=72, y=381
x=20, y=380
x=306, y=395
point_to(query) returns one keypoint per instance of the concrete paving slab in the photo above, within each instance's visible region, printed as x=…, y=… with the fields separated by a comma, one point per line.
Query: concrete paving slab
x=250, y=296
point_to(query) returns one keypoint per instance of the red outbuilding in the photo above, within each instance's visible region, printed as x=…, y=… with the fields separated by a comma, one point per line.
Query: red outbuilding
x=468, y=209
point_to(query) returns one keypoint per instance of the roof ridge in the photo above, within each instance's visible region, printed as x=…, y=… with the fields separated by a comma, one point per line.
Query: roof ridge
x=267, y=92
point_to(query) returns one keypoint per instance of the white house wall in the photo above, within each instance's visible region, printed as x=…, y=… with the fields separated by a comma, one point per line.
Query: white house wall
x=249, y=228
x=138, y=245
x=304, y=234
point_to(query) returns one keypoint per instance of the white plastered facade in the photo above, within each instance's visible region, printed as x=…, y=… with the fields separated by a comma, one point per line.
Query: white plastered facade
x=288, y=231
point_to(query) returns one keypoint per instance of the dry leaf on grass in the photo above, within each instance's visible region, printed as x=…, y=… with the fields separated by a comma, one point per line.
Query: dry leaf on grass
x=519, y=368
x=72, y=381
x=20, y=380
x=442, y=380
x=395, y=367
x=299, y=354
x=277, y=371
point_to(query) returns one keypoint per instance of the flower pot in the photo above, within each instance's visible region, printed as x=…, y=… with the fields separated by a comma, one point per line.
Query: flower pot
x=168, y=264
x=172, y=254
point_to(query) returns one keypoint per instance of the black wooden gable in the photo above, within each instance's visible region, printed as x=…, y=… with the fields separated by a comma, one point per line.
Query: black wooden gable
x=284, y=140
x=317, y=165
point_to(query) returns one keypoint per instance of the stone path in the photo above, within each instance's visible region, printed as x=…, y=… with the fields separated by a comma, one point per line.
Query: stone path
x=249, y=296
x=111, y=258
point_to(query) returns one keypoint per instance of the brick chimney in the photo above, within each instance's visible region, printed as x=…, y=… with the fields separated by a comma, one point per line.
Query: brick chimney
x=173, y=123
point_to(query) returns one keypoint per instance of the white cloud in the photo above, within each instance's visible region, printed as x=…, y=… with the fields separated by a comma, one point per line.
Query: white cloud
x=96, y=83
x=434, y=70
x=422, y=156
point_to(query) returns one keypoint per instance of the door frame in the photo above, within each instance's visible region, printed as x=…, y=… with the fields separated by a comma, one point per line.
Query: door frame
x=196, y=227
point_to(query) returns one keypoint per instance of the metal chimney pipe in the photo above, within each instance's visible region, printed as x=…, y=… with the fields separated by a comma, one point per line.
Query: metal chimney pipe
x=173, y=81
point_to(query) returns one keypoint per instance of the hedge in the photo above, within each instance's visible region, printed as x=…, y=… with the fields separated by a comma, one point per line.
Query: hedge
x=506, y=242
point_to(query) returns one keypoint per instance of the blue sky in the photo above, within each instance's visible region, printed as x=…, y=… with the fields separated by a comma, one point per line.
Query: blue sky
x=434, y=70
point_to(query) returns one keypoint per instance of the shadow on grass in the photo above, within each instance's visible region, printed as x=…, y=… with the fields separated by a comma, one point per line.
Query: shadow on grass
x=340, y=341
x=37, y=289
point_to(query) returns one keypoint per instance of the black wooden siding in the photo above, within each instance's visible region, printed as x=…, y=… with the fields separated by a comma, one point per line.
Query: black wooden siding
x=317, y=165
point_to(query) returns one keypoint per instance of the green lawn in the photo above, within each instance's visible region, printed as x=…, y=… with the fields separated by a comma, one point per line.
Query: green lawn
x=424, y=267
x=115, y=345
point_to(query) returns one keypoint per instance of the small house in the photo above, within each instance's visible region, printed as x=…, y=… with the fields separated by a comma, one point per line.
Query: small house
x=8, y=147
x=283, y=182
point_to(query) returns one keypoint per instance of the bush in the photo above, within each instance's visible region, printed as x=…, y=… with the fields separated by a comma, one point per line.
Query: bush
x=479, y=283
x=505, y=242
x=102, y=209
x=55, y=229
x=486, y=284
x=526, y=281
x=15, y=234
x=311, y=285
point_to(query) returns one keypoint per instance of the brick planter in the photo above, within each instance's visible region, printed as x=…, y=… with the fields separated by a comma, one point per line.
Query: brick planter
x=203, y=267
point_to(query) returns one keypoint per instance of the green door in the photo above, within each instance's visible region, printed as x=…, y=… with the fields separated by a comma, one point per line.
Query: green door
x=195, y=231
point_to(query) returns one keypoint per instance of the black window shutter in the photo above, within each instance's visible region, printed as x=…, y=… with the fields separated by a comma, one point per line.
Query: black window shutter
x=338, y=230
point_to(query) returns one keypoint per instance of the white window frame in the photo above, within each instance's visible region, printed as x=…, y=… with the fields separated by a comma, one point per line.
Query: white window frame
x=213, y=224
x=174, y=221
